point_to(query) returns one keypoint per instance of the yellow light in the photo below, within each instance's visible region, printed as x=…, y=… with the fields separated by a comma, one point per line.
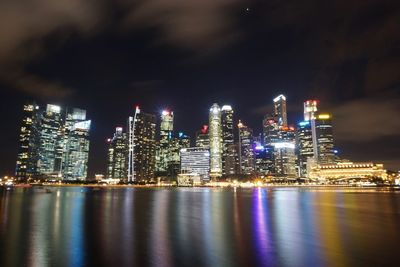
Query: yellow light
x=324, y=116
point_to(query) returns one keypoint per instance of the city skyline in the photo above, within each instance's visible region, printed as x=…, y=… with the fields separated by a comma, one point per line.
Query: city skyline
x=89, y=55
x=149, y=147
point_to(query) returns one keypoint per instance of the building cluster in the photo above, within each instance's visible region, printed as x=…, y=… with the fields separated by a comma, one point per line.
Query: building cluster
x=149, y=151
x=53, y=143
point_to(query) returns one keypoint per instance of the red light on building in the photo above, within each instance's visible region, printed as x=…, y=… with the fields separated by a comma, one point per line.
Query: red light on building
x=204, y=129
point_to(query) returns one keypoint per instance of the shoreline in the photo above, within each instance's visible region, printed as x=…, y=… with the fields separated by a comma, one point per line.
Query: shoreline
x=206, y=186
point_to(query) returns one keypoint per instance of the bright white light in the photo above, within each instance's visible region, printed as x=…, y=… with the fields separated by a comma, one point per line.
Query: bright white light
x=279, y=97
x=53, y=108
x=284, y=145
x=226, y=108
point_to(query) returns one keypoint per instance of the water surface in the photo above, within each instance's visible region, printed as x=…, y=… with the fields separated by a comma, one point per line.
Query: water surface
x=74, y=226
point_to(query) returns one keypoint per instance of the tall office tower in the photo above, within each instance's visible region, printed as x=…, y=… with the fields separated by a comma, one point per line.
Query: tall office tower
x=202, y=139
x=228, y=142
x=163, y=148
x=284, y=152
x=117, y=158
x=177, y=143
x=51, y=144
x=270, y=129
x=264, y=158
x=310, y=110
x=215, y=137
x=324, y=137
x=76, y=145
x=28, y=143
x=196, y=161
x=54, y=143
x=304, y=145
x=280, y=110
x=141, y=146
x=246, y=152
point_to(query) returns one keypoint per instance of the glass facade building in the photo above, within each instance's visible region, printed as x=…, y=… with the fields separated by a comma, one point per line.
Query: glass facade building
x=28, y=147
x=164, y=144
x=141, y=146
x=246, y=150
x=228, y=143
x=202, y=139
x=324, y=137
x=117, y=156
x=54, y=143
x=280, y=110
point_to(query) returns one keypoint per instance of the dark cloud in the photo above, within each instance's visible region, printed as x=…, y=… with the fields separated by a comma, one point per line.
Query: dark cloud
x=198, y=26
x=338, y=34
x=24, y=27
x=368, y=119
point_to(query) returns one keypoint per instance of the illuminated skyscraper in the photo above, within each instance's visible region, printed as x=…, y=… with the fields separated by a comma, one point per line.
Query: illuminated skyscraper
x=324, y=136
x=141, y=146
x=215, y=137
x=270, y=129
x=163, y=153
x=76, y=145
x=246, y=151
x=117, y=156
x=54, y=143
x=228, y=145
x=285, y=153
x=310, y=110
x=305, y=145
x=177, y=143
x=280, y=110
x=202, y=139
x=51, y=144
x=27, y=159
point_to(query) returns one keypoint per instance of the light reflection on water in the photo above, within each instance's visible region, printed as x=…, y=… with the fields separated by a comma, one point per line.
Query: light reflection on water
x=73, y=226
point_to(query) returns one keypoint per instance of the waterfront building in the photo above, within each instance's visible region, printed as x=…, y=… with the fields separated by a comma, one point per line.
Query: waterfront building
x=117, y=156
x=195, y=161
x=228, y=142
x=285, y=153
x=141, y=146
x=280, y=110
x=76, y=145
x=305, y=145
x=177, y=144
x=163, y=153
x=54, y=143
x=28, y=145
x=215, y=137
x=347, y=170
x=264, y=159
x=246, y=151
x=202, y=139
x=324, y=138
x=51, y=138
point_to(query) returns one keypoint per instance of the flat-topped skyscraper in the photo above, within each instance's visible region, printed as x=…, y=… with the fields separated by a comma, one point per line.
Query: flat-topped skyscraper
x=280, y=110
x=141, y=146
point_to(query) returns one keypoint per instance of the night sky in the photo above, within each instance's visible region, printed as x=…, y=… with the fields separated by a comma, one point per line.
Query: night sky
x=108, y=56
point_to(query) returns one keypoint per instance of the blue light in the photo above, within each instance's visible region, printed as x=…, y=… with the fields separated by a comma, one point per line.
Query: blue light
x=304, y=123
